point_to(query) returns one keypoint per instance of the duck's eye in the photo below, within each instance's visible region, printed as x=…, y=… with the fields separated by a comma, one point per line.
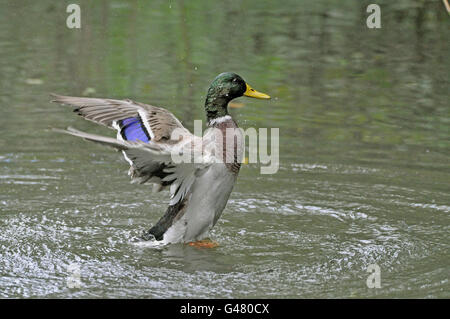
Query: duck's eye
x=234, y=80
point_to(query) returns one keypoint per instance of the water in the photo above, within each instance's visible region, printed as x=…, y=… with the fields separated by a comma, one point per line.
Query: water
x=364, y=149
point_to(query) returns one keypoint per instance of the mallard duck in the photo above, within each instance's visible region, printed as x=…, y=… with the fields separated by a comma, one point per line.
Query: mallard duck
x=150, y=136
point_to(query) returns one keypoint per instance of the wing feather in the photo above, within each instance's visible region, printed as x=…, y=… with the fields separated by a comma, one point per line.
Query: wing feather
x=159, y=122
x=150, y=158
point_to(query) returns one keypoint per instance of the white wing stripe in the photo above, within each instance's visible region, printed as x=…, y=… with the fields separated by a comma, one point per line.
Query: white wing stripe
x=144, y=118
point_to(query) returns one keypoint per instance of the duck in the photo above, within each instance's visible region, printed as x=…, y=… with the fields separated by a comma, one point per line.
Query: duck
x=199, y=171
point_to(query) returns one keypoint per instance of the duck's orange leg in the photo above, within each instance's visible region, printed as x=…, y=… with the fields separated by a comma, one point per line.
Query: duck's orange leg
x=205, y=243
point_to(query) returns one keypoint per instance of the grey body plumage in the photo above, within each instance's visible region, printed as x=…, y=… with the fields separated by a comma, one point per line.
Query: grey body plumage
x=145, y=135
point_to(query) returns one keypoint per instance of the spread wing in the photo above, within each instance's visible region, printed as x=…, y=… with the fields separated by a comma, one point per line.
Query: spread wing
x=132, y=119
x=145, y=137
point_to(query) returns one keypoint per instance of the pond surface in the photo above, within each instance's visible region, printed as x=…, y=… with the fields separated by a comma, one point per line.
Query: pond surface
x=364, y=174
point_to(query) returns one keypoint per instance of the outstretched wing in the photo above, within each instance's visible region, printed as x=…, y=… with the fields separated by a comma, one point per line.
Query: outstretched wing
x=144, y=135
x=132, y=120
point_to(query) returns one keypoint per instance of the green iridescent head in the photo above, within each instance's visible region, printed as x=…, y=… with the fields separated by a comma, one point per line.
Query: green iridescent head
x=224, y=88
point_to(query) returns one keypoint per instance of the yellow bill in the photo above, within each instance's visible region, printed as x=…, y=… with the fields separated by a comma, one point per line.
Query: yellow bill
x=253, y=93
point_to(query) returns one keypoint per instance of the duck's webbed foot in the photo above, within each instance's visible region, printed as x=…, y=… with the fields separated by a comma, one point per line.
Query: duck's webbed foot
x=205, y=243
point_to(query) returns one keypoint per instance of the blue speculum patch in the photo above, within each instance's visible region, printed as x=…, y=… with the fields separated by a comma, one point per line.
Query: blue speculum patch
x=133, y=129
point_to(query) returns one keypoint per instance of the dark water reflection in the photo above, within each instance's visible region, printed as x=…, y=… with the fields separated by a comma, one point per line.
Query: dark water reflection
x=364, y=148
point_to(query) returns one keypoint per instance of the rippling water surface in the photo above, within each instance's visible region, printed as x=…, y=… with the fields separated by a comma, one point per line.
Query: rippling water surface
x=364, y=149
